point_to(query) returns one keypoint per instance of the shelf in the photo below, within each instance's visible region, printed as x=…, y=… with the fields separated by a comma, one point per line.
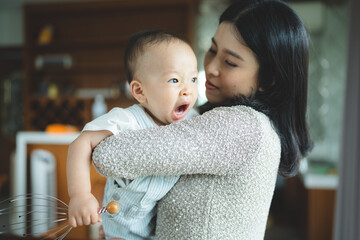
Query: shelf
x=320, y=181
x=79, y=71
x=81, y=44
x=85, y=45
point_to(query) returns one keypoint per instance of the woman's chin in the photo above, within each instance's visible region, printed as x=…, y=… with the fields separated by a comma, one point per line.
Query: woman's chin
x=212, y=97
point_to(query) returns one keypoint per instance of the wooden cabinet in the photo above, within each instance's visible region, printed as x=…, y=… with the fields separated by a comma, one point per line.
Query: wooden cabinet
x=321, y=213
x=311, y=208
x=97, y=182
x=24, y=176
x=75, y=46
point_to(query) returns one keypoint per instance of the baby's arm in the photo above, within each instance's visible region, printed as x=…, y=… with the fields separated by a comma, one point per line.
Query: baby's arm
x=83, y=205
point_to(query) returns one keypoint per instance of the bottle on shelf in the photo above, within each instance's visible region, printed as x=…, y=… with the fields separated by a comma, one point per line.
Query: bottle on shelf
x=99, y=106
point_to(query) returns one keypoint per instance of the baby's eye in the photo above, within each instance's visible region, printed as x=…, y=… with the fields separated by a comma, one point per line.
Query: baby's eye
x=194, y=79
x=173, y=80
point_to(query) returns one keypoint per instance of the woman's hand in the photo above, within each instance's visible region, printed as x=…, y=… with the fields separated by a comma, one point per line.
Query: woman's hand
x=83, y=209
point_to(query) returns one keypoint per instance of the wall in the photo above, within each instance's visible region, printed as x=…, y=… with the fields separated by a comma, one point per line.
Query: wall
x=11, y=27
x=327, y=76
x=11, y=21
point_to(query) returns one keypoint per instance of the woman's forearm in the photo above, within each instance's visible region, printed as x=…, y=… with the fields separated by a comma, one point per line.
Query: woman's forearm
x=215, y=143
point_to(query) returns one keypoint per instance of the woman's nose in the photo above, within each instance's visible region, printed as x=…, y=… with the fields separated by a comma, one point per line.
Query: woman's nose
x=212, y=67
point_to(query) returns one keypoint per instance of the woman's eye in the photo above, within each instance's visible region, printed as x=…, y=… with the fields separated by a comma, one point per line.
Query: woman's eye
x=173, y=80
x=193, y=79
x=230, y=63
x=212, y=51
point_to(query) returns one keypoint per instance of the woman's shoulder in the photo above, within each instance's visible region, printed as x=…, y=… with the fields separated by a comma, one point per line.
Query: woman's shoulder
x=242, y=117
x=237, y=108
x=239, y=112
x=231, y=121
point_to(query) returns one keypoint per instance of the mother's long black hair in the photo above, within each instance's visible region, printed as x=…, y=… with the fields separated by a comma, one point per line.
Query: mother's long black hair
x=277, y=36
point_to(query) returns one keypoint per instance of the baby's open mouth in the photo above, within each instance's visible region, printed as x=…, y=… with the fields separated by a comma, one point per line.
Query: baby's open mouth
x=180, y=111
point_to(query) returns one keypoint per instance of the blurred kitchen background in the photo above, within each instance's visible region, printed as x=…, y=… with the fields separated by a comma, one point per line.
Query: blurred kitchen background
x=61, y=61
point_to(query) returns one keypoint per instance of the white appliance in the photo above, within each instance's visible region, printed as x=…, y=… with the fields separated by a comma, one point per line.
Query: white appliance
x=43, y=184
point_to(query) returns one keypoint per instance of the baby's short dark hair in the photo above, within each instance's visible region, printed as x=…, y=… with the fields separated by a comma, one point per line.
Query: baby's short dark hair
x=139, y=42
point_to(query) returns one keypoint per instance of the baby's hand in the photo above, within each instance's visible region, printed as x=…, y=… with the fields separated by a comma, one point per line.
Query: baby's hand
x=83, y=209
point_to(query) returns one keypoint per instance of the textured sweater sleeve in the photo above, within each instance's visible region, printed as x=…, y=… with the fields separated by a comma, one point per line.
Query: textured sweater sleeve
x=221, y=141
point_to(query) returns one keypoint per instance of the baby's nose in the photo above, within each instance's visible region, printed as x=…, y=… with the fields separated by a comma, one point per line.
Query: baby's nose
x=186, y=90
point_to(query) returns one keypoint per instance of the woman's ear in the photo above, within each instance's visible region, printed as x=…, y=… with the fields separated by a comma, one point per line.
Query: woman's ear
x=137, y=91
x=261, y=89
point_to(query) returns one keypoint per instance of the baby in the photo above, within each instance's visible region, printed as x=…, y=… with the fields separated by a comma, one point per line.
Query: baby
x=162, y=73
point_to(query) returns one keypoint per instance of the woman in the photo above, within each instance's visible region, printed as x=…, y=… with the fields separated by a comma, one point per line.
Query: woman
x=253, y=128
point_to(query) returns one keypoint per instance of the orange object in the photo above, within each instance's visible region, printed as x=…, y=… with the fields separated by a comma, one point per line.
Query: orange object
x=112, y=207
x=61, y=128
x=46, y=35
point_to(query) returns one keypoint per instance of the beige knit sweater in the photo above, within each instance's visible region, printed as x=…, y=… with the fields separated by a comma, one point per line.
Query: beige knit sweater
x=229, y=160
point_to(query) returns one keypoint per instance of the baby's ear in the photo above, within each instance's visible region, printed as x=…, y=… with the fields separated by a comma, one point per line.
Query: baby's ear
x=137, y=91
